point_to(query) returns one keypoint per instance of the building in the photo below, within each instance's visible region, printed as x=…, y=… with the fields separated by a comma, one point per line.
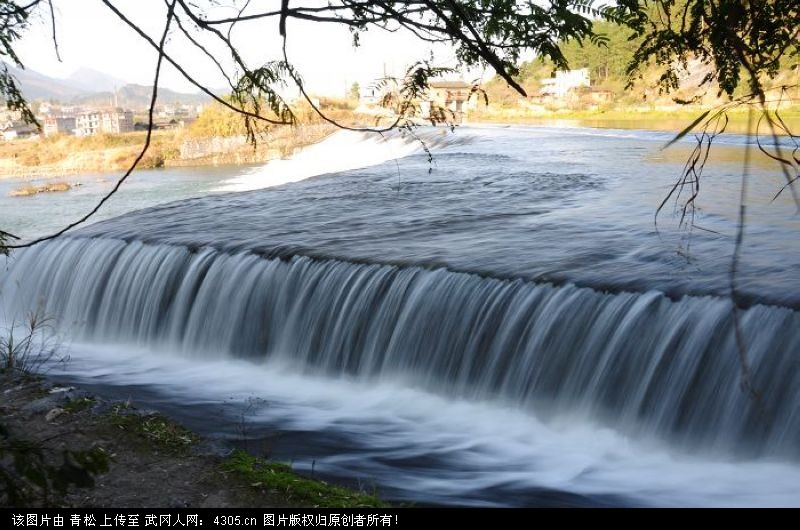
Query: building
x=370, y=95
x=563, y=82
x=87, y=123
x=46, y=108
x=113, y=122
x=117, y=121
x=59, y=125
x=443, y=101
x=16, y=130
x=448, y=100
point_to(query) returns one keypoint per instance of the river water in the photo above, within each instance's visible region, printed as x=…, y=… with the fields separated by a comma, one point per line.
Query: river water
x=504, y=325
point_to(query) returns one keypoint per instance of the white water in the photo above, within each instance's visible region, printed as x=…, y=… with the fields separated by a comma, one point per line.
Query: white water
x=487, y=386
x=342, y=151
x=481, y=453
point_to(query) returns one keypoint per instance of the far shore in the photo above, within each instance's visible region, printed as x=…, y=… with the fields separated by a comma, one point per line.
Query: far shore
x=67, y=157
x=672, y=120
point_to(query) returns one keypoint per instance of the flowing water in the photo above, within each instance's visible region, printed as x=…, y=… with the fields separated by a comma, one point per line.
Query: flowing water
x=502, y=326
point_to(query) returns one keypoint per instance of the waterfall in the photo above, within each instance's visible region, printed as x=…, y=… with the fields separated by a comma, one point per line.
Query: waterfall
x=637, y=361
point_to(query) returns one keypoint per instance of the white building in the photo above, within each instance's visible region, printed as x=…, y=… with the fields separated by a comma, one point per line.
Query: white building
x=113, y=122
x=563, y=82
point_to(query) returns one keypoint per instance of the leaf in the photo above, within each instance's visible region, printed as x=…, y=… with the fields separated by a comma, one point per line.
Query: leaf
x=688, y=129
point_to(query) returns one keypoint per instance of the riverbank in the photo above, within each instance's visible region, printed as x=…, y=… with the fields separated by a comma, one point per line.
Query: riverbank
x=145, y=459
x=670, y=120
x=68, y=156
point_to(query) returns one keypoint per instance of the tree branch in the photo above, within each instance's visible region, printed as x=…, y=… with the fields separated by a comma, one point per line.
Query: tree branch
x=145, y=147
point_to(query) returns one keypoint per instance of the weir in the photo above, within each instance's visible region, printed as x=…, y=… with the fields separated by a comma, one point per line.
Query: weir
x=637, y=361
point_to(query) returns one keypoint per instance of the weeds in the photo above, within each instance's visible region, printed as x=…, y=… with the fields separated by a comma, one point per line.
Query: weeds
x=78, y=405
x=305, y=492
x=29, y=346
x=155, y=429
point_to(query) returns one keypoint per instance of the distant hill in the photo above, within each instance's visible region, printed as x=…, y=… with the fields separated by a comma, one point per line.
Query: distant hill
x=91, y=81
x=90, y=87
x=39, y=86
x=138, y=97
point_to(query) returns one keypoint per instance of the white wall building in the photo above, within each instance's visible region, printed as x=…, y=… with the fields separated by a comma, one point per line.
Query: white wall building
x=563, y=82
x=114, y=122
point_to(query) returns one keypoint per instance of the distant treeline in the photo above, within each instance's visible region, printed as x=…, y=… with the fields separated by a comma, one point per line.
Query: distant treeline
x=608, y=71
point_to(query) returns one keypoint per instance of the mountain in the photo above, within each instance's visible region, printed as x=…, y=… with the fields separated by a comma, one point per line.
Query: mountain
x=39, y=86
x=138, y=97
x=94, y=81
x=90, y=87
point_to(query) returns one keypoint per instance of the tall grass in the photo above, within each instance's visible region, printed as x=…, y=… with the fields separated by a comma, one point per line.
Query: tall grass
x=29, y=345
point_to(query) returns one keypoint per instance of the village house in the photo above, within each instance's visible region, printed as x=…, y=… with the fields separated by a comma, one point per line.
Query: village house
x=109, y=121
x=444, y=100
x=564, y=82
x=59, y=125
x=14, y=130
x=448, y=99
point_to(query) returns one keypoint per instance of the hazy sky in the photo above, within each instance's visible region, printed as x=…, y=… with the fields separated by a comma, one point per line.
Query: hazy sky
x=91, y=36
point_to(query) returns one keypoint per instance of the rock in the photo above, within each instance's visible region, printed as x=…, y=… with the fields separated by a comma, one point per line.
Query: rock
x=59, y=389
x=43, y=404
x=53, y=414
x=102, y=407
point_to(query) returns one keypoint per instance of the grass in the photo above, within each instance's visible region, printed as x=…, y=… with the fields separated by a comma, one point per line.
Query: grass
x=660, y=119
x=54, y=149
x=78, y=405
x=61, y=155
x=305, y=492
x=27, y=346
x=155, y=430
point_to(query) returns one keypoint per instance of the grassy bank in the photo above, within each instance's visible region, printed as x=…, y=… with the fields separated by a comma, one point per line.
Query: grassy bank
x=673, y=120
x=279, y=477
x=139, y=458
x=62, y=156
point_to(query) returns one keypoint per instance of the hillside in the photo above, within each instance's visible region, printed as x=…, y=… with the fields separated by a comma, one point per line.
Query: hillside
x=38, y=86
x=607, y=66
x=138, y=97
x=90, y=87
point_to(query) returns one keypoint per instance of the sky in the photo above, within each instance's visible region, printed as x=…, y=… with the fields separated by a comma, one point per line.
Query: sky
x=91, y=36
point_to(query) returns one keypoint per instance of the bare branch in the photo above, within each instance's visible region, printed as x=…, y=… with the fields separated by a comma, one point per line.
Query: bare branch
x=186, y=75
x=145, y=147
x=53, y=28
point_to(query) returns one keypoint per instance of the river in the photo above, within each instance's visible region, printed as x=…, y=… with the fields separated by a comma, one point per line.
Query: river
x=504, y=325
